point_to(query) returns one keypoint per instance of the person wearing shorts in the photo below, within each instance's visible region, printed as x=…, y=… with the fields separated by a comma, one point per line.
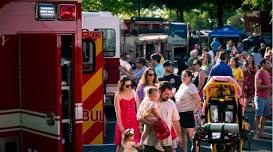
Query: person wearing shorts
x=262, y=99
x=188, y=103
x=262, y=107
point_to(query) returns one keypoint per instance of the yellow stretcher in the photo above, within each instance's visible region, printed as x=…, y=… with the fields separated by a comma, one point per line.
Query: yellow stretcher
x=224, y=125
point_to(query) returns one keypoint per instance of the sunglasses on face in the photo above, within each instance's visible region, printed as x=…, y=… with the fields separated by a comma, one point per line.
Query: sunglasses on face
x=151, y=74
x=128, y=85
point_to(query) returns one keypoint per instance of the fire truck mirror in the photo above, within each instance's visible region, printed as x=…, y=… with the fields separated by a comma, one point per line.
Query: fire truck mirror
x=50, y=119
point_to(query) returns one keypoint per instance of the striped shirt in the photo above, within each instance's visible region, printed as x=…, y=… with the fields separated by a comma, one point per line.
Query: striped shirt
x=183, y=97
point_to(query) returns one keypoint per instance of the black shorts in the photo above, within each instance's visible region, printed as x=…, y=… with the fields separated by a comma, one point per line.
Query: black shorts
x=187, y=119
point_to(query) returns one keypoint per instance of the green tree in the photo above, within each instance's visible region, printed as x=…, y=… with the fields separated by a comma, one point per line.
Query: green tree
x=197, y=19
x=218, y=10
x=265, y=9
x=114, y=6
x=257, y=5
x=215, y=8
x=236, y=20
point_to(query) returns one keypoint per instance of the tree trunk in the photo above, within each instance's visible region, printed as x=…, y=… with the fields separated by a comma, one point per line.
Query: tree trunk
x=138, y=7
x=179, y=14
x=219, y=13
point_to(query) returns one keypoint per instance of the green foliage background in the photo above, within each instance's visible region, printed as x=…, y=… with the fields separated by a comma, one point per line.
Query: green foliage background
x=200, y=14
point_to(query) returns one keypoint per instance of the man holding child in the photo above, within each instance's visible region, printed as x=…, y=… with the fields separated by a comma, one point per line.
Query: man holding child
x=169, y=114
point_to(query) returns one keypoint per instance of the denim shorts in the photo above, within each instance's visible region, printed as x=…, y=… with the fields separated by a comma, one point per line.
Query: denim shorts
x=263, y=107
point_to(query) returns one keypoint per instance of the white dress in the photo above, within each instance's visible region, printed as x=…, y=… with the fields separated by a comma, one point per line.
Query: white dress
x=129, y=147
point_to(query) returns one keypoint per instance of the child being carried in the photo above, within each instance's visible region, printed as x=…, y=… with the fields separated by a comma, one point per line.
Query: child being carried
x=149, y=110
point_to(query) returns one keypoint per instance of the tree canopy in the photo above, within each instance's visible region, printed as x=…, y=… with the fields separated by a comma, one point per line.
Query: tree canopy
x=114, y=6
x=257, y=5
x=200, y=13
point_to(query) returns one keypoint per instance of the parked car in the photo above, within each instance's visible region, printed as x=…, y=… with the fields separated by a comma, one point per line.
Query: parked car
x=251, y=41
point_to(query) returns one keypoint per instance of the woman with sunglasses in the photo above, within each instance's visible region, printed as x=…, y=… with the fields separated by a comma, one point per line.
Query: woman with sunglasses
x=149, y=78
x=126, y=102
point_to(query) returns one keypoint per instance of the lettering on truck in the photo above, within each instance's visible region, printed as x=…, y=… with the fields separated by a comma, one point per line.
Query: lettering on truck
x=3, y=40
x=94, y=115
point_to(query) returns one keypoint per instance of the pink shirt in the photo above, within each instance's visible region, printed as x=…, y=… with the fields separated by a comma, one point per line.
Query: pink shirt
x=265, y=78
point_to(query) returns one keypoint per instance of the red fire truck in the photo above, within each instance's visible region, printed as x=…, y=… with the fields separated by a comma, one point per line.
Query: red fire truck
x=92, y=88
x=42, y=86
x=109, y=25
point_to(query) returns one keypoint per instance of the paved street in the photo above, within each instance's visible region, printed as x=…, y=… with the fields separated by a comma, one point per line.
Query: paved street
x=261, y=145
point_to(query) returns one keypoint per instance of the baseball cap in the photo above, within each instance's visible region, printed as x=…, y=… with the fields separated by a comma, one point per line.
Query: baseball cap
x=167, y=63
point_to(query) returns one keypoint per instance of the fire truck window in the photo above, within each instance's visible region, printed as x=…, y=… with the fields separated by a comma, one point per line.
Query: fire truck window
x=109, y=42
x=88, y=56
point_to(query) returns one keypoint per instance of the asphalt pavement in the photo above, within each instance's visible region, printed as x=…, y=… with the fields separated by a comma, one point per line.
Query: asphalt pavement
x=260, y=145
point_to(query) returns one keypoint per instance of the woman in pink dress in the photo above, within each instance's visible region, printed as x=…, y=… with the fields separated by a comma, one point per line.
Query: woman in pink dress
x=126, y=102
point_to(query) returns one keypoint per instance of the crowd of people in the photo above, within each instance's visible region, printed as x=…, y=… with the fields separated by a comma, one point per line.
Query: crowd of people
x=157, y=110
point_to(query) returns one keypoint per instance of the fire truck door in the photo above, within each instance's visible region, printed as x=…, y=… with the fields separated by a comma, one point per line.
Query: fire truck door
x=92, y=88
x=40, y=92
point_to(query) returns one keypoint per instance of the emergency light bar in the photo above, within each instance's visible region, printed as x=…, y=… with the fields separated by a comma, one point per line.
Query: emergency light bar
x=45, y=11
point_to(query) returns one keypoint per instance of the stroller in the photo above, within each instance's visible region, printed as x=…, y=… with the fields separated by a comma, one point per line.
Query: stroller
x=224, y=126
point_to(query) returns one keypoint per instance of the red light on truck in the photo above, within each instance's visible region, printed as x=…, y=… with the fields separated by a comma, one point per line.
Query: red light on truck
x=67, y=12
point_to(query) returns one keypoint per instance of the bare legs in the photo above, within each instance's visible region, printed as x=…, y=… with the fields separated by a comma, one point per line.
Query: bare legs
x=185, y=132
x=119, y=148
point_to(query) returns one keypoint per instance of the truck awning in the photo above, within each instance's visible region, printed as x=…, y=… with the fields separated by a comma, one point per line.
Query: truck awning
x=150, y=38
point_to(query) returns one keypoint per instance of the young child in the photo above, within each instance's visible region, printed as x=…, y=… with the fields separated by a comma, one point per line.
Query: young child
x=149, y=110
x=128, y=141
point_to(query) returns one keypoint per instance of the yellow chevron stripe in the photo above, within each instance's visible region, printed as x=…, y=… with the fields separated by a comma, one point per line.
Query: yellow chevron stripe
x=98, y=46
x=88, y=124
x=92, y=84
x=98, y=139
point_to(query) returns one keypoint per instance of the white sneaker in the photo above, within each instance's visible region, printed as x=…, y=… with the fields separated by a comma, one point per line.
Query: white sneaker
x=159, y=147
